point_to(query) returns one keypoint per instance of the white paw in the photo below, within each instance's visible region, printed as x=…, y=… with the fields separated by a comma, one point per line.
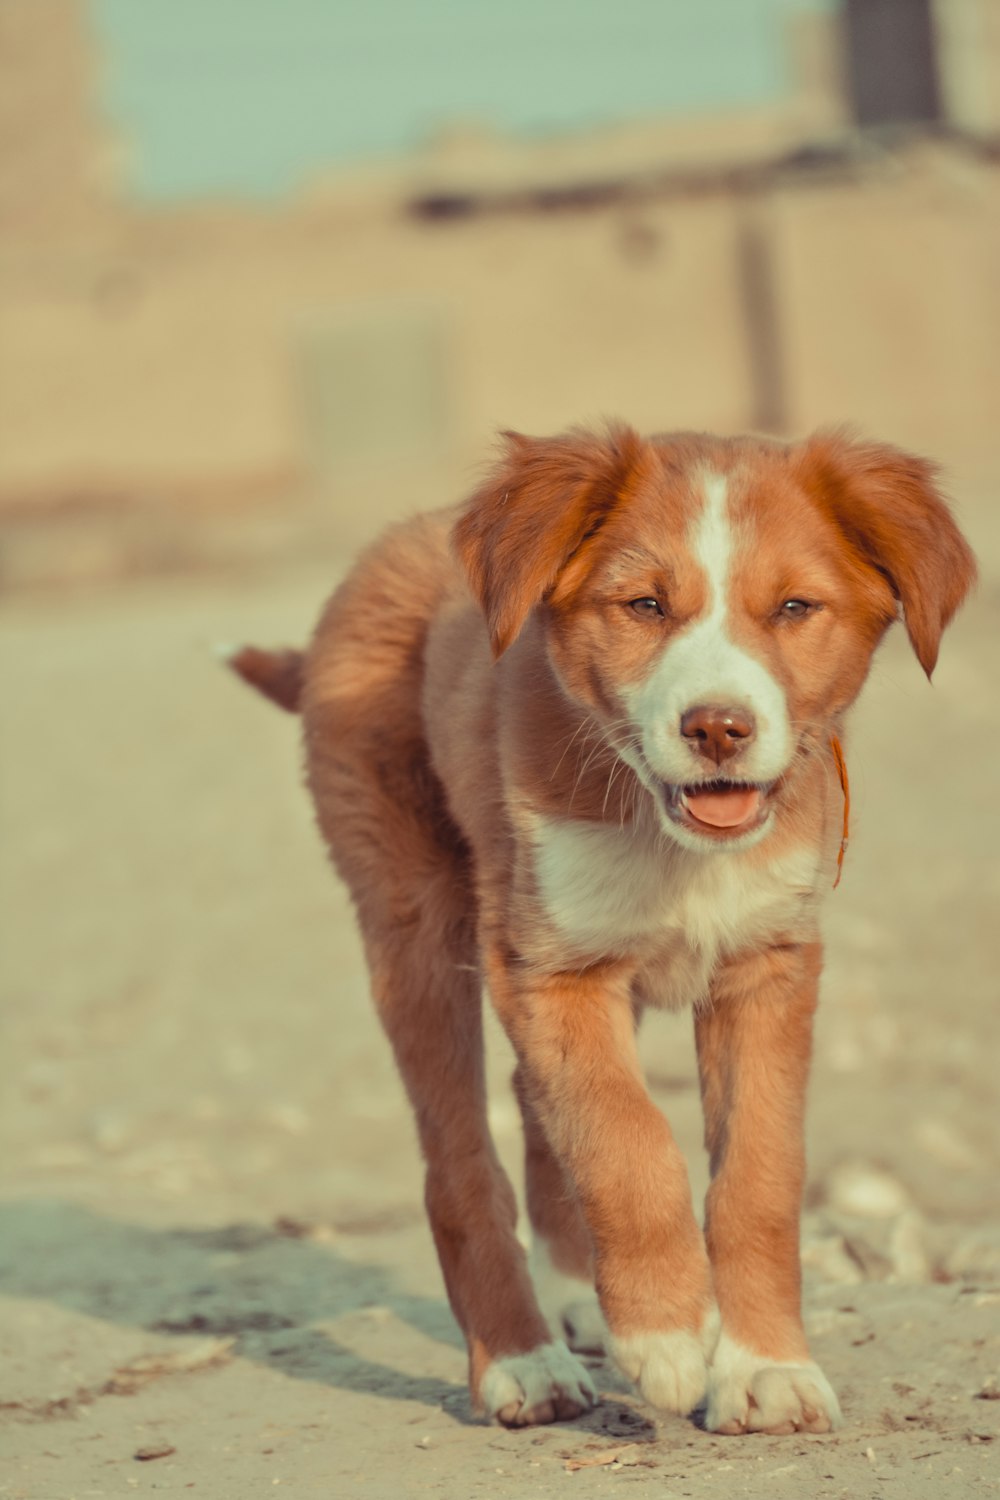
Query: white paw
x=668, y=1368
x=569, y=1303
x=547, y=1385
x=749, y=1394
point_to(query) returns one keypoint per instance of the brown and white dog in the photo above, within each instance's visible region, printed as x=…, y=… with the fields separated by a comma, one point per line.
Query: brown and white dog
x=575, y=740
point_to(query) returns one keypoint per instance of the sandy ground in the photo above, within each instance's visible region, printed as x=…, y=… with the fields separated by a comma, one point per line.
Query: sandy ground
x=212, y=1245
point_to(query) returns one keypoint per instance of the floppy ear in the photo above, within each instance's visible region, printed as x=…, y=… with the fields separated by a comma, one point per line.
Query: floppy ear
x=546, y=497
x=888, y=507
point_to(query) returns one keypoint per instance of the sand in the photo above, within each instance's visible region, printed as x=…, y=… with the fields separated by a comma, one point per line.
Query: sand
x=214, y=1267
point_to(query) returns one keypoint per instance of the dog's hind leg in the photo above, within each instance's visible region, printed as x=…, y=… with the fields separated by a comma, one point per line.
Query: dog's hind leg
x=428, y=997
x=383, y=815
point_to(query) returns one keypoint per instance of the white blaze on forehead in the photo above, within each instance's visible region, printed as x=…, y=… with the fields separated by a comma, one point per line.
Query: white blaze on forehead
x=704, y=665
x=712, y=543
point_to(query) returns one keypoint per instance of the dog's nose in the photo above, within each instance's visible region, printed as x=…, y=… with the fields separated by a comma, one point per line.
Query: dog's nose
x=717, y=732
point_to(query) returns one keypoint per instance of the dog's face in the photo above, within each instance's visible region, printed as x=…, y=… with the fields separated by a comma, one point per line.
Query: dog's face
x=713, y=604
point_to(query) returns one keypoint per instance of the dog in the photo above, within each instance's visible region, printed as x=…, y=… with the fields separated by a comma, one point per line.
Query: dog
x=579, y=739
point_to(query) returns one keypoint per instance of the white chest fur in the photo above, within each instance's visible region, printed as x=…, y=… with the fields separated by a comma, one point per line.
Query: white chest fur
x=611, y=892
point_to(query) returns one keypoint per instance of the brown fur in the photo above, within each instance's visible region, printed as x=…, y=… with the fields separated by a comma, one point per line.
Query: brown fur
x=276, y=674
x=427, y=762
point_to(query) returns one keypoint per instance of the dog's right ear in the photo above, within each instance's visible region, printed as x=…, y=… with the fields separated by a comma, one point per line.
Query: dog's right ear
x=546, y=497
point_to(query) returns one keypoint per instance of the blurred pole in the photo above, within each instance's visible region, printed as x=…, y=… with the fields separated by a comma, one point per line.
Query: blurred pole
x=758, y=296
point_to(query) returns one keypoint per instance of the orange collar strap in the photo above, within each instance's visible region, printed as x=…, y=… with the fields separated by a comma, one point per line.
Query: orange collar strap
x=841, y=764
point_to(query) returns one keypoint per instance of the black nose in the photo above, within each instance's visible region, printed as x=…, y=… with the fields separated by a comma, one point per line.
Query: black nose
x=717, y=732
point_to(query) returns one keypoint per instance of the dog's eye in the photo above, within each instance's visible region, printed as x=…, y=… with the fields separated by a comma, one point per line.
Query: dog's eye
x=794, y=609
x=647, y=609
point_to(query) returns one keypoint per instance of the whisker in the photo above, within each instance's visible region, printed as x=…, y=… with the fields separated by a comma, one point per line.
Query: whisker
x=601, y=745
x=619, y=765
x=589, y=724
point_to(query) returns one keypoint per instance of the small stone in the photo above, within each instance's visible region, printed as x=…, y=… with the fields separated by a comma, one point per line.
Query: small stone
x=156, y=1450
x=976, y=1256
x=874, y=1262
x=821, y=1322
x=867, y=1191
x=946, y=1143
x=830, y=1258
x=908, y=1250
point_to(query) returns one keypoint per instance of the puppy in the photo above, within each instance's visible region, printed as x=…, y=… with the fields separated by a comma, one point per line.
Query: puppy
x=579, y=740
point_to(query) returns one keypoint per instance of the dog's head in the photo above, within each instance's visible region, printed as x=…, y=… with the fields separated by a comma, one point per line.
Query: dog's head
x=713, y=603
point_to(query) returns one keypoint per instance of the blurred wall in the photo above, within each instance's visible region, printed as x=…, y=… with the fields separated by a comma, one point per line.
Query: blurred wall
x=272, y=93
x=968, y=47
x=333, y=348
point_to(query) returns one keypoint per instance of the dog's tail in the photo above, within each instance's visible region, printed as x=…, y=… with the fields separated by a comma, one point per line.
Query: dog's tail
x=276, y=674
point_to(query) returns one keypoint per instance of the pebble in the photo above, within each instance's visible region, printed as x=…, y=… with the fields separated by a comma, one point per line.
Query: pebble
x=158, y=1450
x=908, y=1250
x=868, y=1191
x=846, y=1249
x=946, y=1143
x=977, y=1255
x=820, y=1322
x=828, y=1255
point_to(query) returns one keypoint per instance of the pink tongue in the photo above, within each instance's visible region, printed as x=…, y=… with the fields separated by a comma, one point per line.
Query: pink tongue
x=723, y=809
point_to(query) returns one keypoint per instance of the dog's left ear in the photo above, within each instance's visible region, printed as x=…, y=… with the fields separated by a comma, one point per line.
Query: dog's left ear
x=545, y=498
x=887, y=504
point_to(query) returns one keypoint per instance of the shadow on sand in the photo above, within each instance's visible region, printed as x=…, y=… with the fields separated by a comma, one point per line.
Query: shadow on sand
x=255, y=1284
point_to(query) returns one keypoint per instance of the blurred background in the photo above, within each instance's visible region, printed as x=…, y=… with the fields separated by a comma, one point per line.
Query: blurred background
x=304, y=259
x=273, y=272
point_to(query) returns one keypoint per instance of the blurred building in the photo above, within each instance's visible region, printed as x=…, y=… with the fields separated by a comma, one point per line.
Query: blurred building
x=58, y=166
x=348, y=349
x=923, y=61
x=967, y=43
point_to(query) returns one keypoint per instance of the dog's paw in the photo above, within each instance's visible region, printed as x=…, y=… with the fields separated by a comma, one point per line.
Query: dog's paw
x=749, y=1394
x=547, y=1385
x=569, y=1303
x=668, y=1368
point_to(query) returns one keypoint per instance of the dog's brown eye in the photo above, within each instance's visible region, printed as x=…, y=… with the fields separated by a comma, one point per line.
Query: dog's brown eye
x=647, y=609
x=794, y=609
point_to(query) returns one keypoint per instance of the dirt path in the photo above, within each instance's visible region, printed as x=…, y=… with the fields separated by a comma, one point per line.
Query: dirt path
x=212, y=1244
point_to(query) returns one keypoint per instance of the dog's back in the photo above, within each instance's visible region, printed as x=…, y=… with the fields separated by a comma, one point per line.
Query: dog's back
x=367, y=763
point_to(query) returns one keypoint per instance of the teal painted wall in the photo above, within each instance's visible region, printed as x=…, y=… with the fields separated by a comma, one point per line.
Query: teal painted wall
x=254, y=96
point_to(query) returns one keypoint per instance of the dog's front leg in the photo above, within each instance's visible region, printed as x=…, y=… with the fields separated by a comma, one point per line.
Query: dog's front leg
x=754, y=1042
x=575, y=1040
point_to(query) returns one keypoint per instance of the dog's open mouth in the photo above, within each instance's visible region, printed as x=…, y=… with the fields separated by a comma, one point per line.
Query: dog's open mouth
x=718, y=809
